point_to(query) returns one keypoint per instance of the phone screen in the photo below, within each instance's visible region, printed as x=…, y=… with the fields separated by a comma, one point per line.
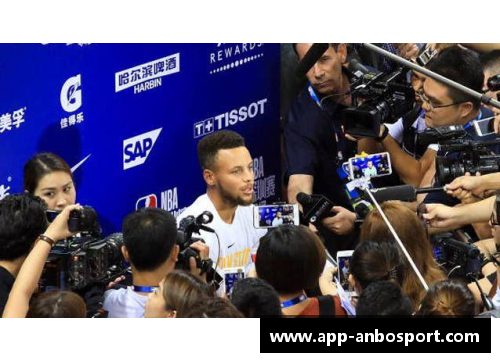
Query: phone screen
x=484, y=127
x=344, y=264
x=269, y=216
x=371, y=166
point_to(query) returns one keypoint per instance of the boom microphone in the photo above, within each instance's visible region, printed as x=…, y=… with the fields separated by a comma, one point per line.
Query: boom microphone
x=402, y=193
x=311, y=57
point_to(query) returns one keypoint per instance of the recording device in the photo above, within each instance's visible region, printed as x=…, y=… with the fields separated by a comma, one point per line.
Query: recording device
x=187, y=227
x=401, y=193
x=343, y=269
x=376, y=165
x=84, y=260
x=458, y=257
x=377, y=99
x=484, y=127
x=270, y=216
x=79, y=262
x=82, y=220
x=426, y=56
x=441, y=134
x=315, y=207
x=474, y=157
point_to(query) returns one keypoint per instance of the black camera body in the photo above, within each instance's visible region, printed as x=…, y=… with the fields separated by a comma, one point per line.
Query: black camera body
x=79, y=262
x=84, y=219
x=187, y=227
x=474, y=157
x=459, y=258
x=385, y=98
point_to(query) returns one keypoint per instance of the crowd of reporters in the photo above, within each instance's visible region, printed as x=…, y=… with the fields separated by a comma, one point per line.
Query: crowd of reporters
x=288, y=270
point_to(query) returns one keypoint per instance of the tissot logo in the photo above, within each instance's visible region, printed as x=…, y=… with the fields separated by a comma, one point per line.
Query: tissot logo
x=230, y=118
x=71, y=95
x=137, y=149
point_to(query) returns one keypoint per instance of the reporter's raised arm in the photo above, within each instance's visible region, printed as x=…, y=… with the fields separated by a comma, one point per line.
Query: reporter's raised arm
x=31, y=271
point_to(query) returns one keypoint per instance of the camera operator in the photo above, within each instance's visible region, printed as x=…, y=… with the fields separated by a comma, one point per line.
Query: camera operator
x=149, y=237
x=491, y=67
x=445, y=106
x=22, y=219
x=315, y=145
x=409, y=159
x=48, y=176
x=228, y=171
x=29, y=275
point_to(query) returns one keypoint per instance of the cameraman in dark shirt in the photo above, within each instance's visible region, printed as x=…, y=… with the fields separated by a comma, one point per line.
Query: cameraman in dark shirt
x=316, y=146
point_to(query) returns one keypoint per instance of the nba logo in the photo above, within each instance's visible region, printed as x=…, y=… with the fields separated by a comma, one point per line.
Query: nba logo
x=147, y=201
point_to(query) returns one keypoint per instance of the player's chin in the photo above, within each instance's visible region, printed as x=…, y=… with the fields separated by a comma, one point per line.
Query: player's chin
x=246, y=200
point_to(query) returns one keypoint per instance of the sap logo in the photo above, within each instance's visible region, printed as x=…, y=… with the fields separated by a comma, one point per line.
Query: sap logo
x=71, y=95
x=137, y=149
x=147, y=201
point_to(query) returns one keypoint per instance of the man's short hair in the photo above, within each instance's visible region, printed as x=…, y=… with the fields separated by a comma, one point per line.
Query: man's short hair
x=209, y=146
x=290, y=258
x=335, y=47
x=383, y=298
x=255, y=298
x=462, y=66
x=491, y=62
x=149, y=236
x=213, y=308
x=22, y=220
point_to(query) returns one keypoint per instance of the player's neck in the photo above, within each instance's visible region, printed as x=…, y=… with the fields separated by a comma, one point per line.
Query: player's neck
x=225, y=209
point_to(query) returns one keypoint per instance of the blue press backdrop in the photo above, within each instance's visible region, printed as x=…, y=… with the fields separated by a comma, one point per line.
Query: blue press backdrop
x=68, y=99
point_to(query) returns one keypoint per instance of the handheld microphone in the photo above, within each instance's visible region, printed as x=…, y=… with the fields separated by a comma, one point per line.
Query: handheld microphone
x=311, y=57
x=355, y=67
x=402, y=193
x=316, y=207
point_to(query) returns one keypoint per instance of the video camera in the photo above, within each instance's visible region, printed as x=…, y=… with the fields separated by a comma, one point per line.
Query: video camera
x=187, y=227
x=85, y=260
x=459, y=258
x=377, y=99
x=475, y=156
